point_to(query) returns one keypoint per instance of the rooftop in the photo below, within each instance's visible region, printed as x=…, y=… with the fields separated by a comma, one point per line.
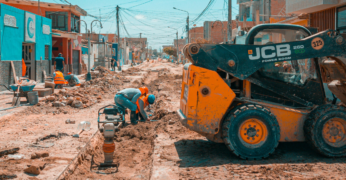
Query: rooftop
x=74, y=8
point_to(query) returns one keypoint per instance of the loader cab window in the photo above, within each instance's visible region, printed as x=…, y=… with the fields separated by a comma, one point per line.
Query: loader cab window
x=294, y=72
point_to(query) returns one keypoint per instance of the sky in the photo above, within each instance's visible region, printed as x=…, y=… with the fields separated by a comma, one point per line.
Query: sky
x=155, y=19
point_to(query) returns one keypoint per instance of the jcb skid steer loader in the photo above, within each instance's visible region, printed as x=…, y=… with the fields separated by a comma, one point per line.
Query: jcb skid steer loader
x=271, y=89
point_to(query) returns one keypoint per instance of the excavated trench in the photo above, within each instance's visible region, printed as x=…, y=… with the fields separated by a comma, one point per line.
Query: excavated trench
x=134, y=143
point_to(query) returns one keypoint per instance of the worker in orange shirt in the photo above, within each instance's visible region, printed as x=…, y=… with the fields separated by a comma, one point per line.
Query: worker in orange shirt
x=59, y=79
x=140, y=113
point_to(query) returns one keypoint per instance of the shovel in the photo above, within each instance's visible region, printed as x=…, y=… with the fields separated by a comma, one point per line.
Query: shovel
x=82, y=126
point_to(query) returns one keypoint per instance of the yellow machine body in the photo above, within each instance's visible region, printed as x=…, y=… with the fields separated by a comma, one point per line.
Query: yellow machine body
x=204, y=113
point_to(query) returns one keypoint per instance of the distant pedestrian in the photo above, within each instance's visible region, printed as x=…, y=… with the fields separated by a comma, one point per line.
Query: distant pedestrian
x=59, y=63
x=112, y=64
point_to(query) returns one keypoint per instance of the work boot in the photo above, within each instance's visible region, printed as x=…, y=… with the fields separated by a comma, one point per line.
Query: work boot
x=133, y=118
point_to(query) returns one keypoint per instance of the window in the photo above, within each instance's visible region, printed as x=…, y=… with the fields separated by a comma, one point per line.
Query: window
x=341, y=18
x=46, y=52
x=59, y=20
x=294, y=72
x=74, y=19
x=247, y=12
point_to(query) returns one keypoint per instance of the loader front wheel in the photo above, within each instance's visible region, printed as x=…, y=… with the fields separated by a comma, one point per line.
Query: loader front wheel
x=325, y=130
x=251, y=132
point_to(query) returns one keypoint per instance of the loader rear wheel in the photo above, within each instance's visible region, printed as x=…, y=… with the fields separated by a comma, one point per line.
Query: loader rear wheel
x=251, y=132
x=325, y=130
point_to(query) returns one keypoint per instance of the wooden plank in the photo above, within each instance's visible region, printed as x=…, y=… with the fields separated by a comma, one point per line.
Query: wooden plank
x=14, y=73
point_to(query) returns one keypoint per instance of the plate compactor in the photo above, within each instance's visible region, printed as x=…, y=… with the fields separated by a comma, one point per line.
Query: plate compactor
x=279, y=83
x=114, y=118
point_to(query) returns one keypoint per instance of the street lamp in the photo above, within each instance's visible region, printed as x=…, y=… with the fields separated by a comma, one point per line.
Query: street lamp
x=187, y=24
x=88, y=78
x=177, y=43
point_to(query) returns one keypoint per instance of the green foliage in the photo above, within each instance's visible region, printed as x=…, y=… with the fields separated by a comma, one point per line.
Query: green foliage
x=170, y=51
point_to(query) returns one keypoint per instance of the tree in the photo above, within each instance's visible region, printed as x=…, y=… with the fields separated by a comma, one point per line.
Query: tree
x=155, y=52
x=170, y=51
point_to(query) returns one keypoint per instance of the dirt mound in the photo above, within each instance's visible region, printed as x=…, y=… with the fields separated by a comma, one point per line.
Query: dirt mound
x=104, y=84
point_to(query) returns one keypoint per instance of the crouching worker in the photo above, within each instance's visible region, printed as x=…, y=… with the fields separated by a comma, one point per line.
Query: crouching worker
x=73, y=80
x=59, y=79
x=127, y=98
x=140, y=113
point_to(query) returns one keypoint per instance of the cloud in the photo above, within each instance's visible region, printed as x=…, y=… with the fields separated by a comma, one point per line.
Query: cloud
x=140, y=16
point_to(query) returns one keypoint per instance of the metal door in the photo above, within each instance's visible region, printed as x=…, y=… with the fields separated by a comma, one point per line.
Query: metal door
x=75, y=61
x=28, y=51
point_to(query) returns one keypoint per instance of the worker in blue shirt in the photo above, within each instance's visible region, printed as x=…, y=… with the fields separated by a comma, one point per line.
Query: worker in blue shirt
x=59, y=63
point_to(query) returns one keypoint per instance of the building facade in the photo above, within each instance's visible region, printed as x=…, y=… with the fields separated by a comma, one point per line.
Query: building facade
x=65, y=29
x=196, y=34
x=26, y=36
x=320, y=14
x=261, y=11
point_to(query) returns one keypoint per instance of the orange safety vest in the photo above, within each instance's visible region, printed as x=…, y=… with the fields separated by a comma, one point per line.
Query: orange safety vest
x=145, y=100
x=23, y=68
x=59, y=78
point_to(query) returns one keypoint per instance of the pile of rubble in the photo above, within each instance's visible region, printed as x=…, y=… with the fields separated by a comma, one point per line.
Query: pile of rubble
x=104, y=82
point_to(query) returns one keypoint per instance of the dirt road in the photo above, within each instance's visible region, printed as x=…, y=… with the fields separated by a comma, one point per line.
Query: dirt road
x=158, y=150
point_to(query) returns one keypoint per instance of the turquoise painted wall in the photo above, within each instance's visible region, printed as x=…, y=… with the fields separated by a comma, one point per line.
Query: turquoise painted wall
x=42, y=39
x=12, y=38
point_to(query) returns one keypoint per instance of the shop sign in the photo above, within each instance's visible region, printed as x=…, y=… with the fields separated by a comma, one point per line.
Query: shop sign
x=10, y=21
x=30, y=24
x=46, y=29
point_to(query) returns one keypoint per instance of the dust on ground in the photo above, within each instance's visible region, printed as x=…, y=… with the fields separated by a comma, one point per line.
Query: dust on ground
x=163, y=149
x=135, y=143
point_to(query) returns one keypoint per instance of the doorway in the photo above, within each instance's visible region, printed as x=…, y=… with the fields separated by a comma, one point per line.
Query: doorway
x=75, y=61
x=28, y=54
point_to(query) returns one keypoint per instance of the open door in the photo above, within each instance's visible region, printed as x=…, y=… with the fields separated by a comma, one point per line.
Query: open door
x=28, y=54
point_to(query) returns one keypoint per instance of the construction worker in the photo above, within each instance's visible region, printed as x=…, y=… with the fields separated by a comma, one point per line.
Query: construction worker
x=142, y=103
x=59, y=79
x=76, y=81
x=127, y=98
x=59, y=63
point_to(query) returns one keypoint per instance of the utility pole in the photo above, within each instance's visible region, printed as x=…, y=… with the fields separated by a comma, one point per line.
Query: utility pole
x=229, y=27
x=118, y=50
x=140, y=54
x=177, y=48
x=188, y=28
x=187, y=23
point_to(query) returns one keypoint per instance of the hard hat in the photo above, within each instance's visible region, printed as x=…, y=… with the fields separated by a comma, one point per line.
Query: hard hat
x=144, y=90
x=151, y=99
x=69, y=73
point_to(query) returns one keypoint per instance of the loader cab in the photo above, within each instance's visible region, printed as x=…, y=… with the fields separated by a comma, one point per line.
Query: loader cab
x=300, y=78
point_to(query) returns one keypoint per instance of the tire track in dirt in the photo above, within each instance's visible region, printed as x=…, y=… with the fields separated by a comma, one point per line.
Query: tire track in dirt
x=134, y=144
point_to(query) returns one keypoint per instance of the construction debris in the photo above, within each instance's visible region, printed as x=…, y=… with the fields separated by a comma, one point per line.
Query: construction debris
x=68, y=121
x=91, y=92
x=38, y=155
x=32, y=170
x=8, y=151
x=5, y=174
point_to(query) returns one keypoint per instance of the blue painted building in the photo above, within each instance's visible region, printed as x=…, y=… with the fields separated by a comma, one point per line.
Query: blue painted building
x=27, y=36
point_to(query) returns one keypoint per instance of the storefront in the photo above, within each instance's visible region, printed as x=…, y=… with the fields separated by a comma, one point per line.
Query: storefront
x=24, y=36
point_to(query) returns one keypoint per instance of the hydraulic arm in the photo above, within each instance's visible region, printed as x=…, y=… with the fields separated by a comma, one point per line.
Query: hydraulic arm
x=243, y=60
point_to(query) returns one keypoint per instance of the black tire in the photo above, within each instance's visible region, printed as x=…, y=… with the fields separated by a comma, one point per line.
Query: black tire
x=236, y=119
x=320, y=118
